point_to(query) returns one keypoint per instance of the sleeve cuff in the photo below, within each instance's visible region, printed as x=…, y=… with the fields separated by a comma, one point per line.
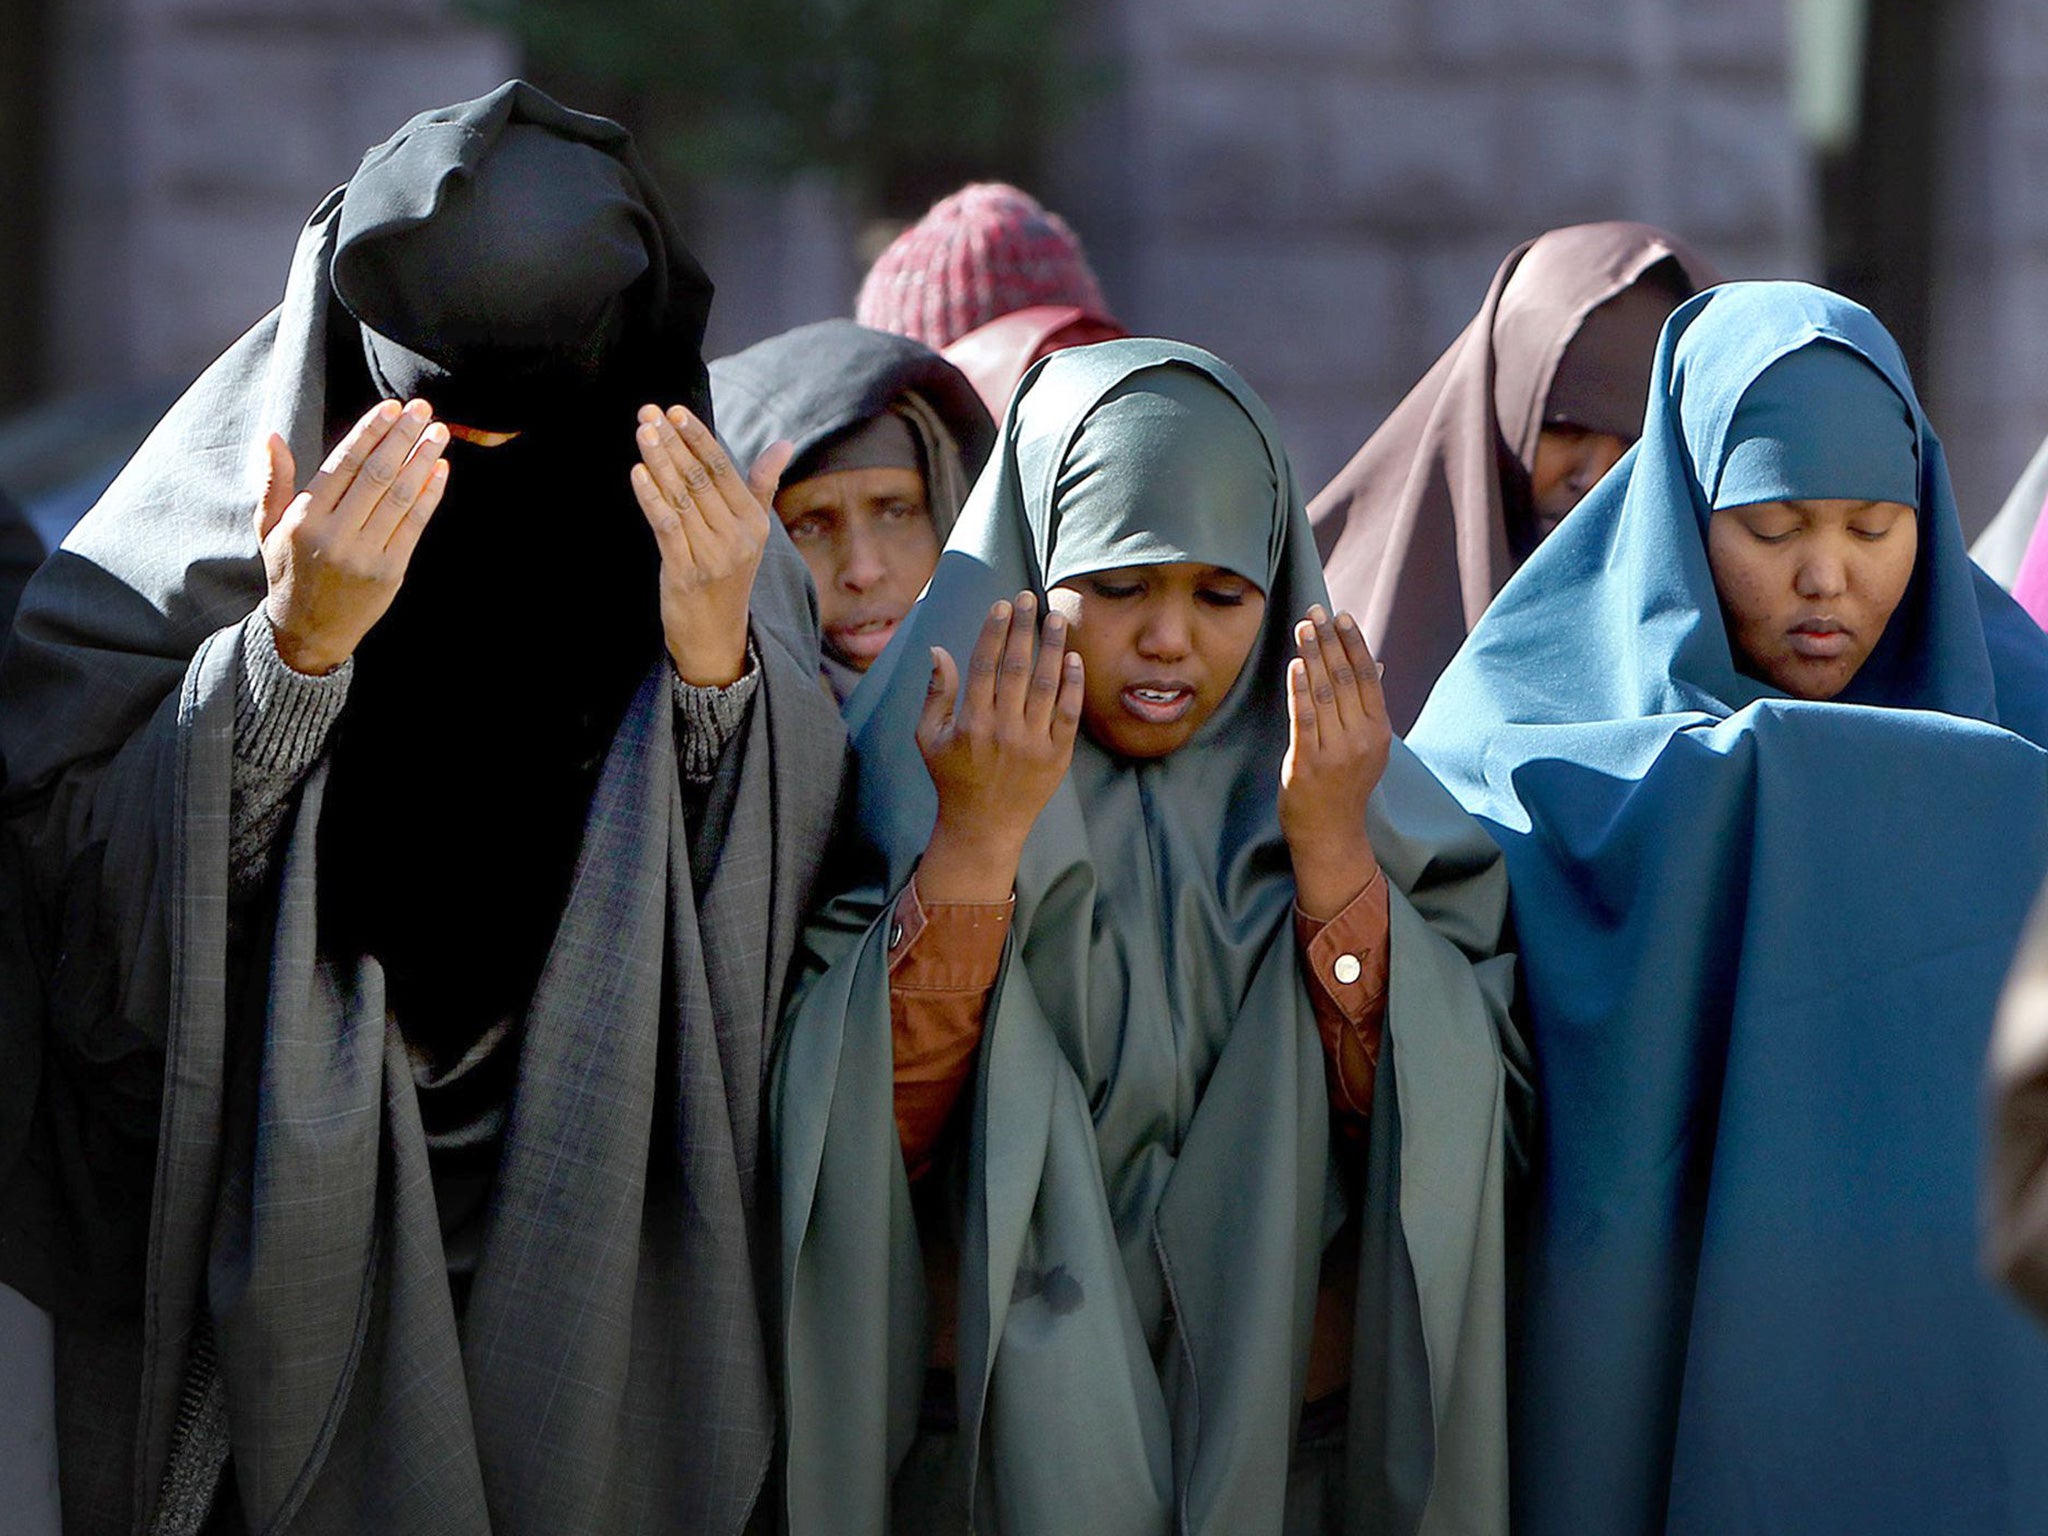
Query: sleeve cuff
x=953, y=946
x=1348, y=954
x=707, y=719
x=282, y=717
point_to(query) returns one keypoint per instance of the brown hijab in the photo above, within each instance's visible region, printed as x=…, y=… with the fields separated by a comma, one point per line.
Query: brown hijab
x=1434, y=513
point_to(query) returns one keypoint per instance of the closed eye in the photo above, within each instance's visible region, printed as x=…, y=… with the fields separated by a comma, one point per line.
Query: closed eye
x=1223, y=597
x=1114, y=590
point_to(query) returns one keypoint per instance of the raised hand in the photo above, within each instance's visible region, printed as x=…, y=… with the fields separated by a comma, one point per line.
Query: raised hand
x=712, y=527
x=335, y=554
x=1338, y=741
x=996, y=749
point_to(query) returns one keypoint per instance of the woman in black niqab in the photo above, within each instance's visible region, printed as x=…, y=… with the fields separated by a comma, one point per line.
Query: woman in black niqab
x=518, y=275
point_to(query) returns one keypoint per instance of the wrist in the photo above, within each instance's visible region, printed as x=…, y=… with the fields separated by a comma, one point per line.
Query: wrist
x=306, y=657
x=1331, y=873
x=717, y=664
x=969, y=863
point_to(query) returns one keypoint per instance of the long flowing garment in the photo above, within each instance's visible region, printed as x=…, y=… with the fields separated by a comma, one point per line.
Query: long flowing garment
x=1762, y=942
x=213, y=1163
x=1145, y=1183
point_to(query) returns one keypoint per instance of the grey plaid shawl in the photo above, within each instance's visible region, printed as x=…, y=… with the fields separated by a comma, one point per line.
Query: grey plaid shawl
x=611, y=1371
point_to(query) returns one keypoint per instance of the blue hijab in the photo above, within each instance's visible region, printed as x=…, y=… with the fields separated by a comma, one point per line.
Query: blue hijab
x=1762, y=940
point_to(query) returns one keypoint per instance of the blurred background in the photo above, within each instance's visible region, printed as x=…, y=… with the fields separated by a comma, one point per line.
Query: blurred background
x=1319, y=190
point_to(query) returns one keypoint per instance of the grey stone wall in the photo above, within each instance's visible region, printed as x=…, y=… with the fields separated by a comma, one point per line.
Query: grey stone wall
x=1988, y=393
x=193, y=138
x=1319, y=191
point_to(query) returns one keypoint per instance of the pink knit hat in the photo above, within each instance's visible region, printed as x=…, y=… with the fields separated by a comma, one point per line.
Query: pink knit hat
x=984, y=251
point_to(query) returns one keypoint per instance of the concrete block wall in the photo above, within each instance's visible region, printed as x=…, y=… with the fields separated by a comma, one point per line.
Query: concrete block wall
x=195, y=136
x=1320, y=191
x=1988, y=394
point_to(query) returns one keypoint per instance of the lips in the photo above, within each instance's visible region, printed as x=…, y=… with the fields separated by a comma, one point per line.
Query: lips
x=1157, y=701
x=864, y=639
x=1820, y=639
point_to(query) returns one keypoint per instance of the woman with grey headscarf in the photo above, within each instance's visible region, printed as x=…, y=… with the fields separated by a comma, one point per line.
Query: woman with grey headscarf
x=888, y=437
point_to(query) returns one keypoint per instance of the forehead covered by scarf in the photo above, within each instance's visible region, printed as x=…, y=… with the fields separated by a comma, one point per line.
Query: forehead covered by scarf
x=886, y=441
x=1166, y=468
x=491, y=276
x=1819, y=423
x=1602, y=382
x=1763, y=391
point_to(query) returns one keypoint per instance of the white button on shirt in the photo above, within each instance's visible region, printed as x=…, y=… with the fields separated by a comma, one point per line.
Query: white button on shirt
x=1347, y=969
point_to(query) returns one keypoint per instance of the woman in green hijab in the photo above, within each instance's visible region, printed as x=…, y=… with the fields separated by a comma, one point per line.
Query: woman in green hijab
x=1191, y=1269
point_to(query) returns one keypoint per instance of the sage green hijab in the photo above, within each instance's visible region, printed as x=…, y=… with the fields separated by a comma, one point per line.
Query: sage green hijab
x=1144, y=1183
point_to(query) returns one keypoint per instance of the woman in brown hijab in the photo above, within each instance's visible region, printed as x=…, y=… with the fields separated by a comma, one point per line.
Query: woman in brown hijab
x=1532, y=404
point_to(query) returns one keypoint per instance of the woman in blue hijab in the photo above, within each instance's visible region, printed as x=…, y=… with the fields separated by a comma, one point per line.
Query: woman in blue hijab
x=1765, y=753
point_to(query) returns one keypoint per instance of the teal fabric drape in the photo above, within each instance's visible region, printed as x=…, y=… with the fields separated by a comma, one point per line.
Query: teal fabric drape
x=1146, y=1183
x=1762, y=939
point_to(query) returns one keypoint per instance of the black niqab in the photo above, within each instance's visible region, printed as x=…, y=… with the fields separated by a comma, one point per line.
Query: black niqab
x=484, y=701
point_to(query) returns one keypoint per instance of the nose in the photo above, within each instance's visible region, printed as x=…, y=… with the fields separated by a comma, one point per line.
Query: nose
x=1821, y=575
x=1164, y=635
x=861, y=567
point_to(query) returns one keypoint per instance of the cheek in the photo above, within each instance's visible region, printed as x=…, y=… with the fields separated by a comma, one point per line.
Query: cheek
x=913, y=536
x=1101, y=676
x=1228, y=640
x=1746, y=581
x=911, y=550
x=1553, y=464
x=1603, y=453
x=1891, y=573
x=817, y=554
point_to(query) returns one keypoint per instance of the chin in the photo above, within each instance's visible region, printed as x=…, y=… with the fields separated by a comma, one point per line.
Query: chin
x=1138, y=741
x=1812, y=686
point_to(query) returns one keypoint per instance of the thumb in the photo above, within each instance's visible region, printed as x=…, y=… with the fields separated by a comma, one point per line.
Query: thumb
x=280, y=476
x=765, y=478
x=938, y=697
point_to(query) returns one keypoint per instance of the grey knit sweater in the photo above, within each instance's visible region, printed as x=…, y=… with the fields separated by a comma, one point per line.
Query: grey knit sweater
x=283, y=718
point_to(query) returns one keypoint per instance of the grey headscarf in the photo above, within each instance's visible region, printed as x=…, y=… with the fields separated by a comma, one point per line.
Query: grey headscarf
x=1146, y=1182
x=825, y=387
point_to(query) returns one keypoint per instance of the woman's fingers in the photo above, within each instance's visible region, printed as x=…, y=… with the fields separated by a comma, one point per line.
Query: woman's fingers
x=1013, y=681
x=407, y=489
x=1302, y=731
x=1329, y=719
x=405, y=537
x=685, y=478
x=1041, y=704
x=940, y=691
x=723, y=487
x=1066, y=718
x=1337, y=663
x=381, y=467
x=657, y=443
x=765, y=478
x=662, y=516
x=978, y=700
x=339, y=470
x=1358, y=655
